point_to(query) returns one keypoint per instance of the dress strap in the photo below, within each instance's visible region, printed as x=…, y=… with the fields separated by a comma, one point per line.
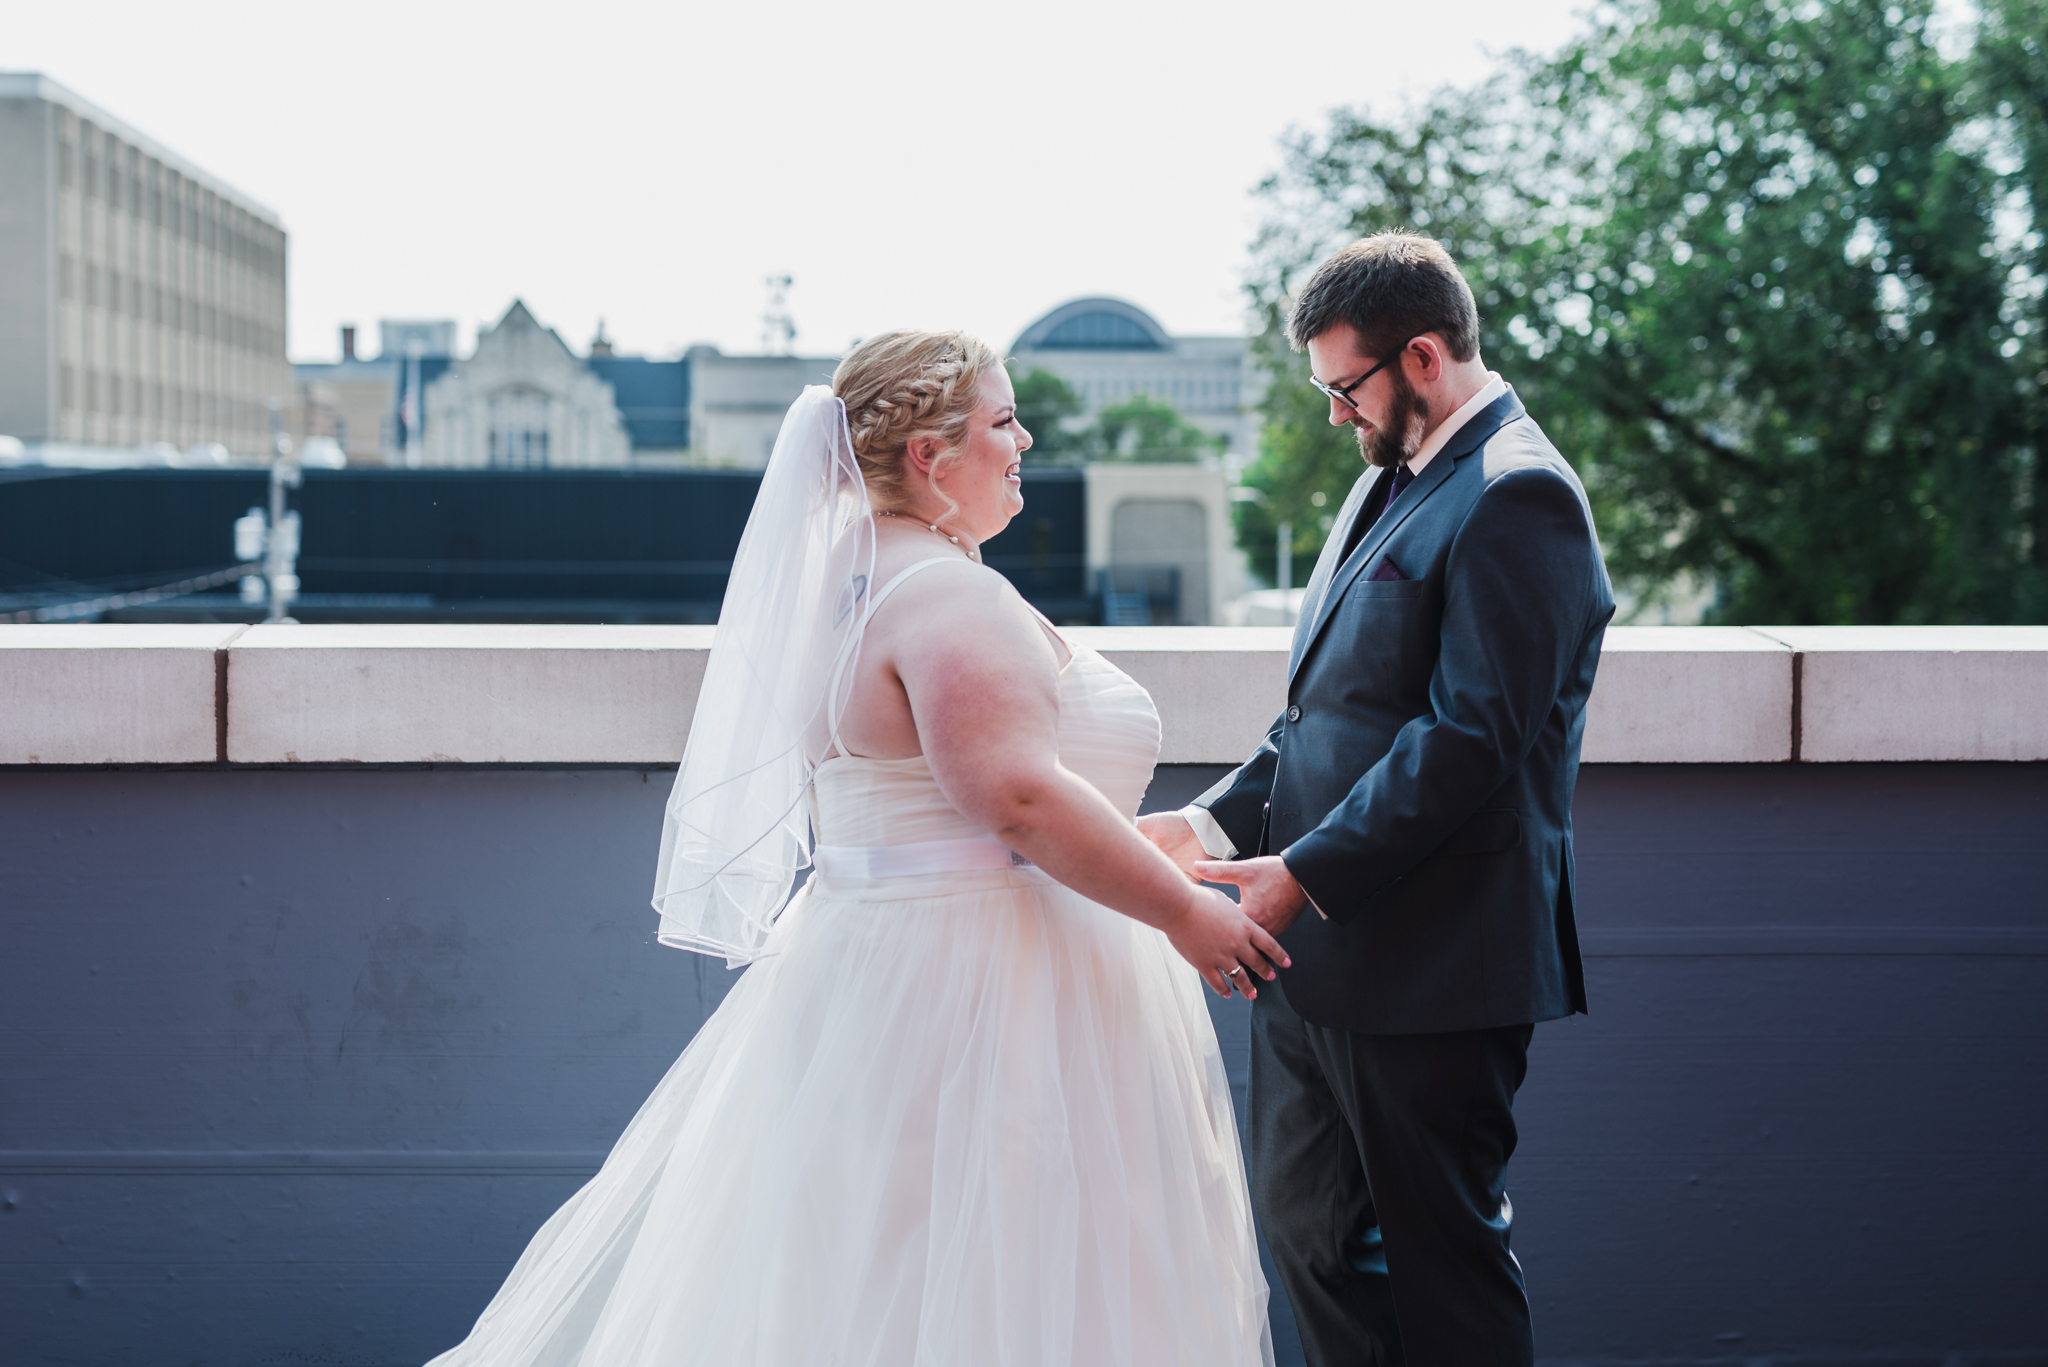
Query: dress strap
x=867, y=615
x=883, y=592
x=1052, y=632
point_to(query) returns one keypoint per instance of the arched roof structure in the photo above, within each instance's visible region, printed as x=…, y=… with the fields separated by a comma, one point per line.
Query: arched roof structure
x=1095, y=325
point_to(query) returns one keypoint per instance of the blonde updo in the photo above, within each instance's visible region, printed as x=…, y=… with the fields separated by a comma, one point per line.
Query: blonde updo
x=907, y=384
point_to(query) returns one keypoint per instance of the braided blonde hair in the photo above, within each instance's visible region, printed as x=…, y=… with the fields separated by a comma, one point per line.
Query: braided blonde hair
x=907, y=384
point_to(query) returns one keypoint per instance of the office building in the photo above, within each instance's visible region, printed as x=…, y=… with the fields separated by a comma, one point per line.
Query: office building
x=737, y=403
x=1110, y=351
x=142, y=299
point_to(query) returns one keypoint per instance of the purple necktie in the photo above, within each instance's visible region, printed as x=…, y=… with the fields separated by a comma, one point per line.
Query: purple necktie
x=1403, y=477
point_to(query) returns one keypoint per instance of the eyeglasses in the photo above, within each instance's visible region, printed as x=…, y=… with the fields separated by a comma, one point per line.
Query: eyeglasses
x=1343, y=395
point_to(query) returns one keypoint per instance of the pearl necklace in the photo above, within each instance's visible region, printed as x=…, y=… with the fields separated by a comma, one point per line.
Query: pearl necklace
x=931, y=527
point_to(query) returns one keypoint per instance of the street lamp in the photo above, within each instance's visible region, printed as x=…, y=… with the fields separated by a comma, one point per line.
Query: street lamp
x=273, y=537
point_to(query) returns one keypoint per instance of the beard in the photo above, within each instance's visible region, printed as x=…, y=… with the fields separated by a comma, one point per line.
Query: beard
x=1398, y=438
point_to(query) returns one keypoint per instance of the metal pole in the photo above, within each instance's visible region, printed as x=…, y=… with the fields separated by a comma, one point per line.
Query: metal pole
x=281, y=546
x=413, y=411
x=1283, y=569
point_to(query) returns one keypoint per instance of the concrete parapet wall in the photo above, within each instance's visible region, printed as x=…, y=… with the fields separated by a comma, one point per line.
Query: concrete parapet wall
x=333, y=975
x=297, y=1057
x=624, y=695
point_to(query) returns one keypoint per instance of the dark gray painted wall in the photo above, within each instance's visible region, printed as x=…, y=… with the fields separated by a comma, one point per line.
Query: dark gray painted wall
x=292, y=1062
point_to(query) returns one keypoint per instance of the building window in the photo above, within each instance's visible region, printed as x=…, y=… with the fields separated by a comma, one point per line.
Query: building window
x=92, y=285
x=1098, y=331
x=67, y=163
x=519, y=449
x=67, y=282
x=67, y=386
x=113, y=291
x=92, y=391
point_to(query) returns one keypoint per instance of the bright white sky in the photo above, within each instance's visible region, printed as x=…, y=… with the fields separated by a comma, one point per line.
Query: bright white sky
x=910, y=165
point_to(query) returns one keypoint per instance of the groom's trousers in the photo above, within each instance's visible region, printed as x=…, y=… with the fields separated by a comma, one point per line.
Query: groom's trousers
x=1378, y=1165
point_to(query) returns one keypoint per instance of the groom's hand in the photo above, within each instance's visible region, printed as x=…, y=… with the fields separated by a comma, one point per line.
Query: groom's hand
x=1176, y=840
x=1266, y=891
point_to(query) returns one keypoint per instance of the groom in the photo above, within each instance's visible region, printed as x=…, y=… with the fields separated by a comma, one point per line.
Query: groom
x=1405, y=828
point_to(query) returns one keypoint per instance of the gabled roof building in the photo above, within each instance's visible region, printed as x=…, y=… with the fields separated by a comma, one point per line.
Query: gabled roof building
x=523, y=401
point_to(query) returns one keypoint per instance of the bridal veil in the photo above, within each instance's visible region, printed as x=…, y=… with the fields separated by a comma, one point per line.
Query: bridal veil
x=737, y=832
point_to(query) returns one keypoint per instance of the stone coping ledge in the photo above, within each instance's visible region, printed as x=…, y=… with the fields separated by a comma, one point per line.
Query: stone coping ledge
x=491, y=694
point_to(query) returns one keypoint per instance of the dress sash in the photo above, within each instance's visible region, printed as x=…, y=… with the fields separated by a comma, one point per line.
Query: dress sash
x=918, y=857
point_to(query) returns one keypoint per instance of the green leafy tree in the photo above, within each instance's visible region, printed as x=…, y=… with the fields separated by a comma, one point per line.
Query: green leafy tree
x=1769, y=272
x=1303, y=469
x=1143, y=428
x=1047, y=405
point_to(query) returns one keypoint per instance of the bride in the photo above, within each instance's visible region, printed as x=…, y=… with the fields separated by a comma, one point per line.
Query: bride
x=966, y=1108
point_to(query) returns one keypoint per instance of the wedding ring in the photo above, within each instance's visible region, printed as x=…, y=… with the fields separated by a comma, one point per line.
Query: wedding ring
x=1235, y=971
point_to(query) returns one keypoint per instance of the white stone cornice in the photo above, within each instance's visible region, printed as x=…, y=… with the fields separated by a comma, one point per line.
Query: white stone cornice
x=624, y=695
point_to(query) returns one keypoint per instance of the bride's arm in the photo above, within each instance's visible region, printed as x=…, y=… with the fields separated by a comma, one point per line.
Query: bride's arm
x=982, y=683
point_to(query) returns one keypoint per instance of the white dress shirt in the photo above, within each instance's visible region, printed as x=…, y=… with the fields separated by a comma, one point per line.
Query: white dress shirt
x=1214, y=842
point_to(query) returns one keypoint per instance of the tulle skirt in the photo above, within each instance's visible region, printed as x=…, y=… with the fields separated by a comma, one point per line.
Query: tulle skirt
x=955, y=1121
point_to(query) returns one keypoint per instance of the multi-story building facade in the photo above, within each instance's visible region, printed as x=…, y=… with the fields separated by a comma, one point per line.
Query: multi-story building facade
x=1110, y=351
x=351, y=402
x=737, y=403
x=141, y=299
x=1162, y=530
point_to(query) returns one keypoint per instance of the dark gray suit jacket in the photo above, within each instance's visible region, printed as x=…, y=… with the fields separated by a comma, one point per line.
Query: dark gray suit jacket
x=1419, y=783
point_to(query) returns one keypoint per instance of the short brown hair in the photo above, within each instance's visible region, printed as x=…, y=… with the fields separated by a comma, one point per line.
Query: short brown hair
x=908, y=384
x=1389, y=287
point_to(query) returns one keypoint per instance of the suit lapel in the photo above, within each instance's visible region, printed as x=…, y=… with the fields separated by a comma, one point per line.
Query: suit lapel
x=1469, y=439
x=1355, y=504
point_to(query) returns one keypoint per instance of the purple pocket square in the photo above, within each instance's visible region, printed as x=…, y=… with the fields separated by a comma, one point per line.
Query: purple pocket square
x=1385, y=572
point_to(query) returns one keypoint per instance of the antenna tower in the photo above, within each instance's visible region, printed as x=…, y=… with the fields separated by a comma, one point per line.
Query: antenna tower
x=778, y=328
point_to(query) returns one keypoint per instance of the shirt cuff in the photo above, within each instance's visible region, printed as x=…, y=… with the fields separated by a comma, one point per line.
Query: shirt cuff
x=1304, y=891
x=1215, y=843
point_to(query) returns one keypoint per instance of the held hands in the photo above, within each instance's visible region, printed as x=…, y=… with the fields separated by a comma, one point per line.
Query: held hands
x=1176, y=840
x=1267, y=892
x=1225, y=946
x=1170, y=832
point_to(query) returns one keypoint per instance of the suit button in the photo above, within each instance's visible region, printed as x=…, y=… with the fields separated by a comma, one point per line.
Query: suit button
x=1294, y=712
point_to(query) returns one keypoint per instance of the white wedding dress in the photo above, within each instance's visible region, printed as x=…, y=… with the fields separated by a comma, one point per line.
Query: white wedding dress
x=964, y=1119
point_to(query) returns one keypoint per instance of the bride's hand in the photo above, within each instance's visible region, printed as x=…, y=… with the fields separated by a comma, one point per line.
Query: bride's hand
x=1214, y=936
